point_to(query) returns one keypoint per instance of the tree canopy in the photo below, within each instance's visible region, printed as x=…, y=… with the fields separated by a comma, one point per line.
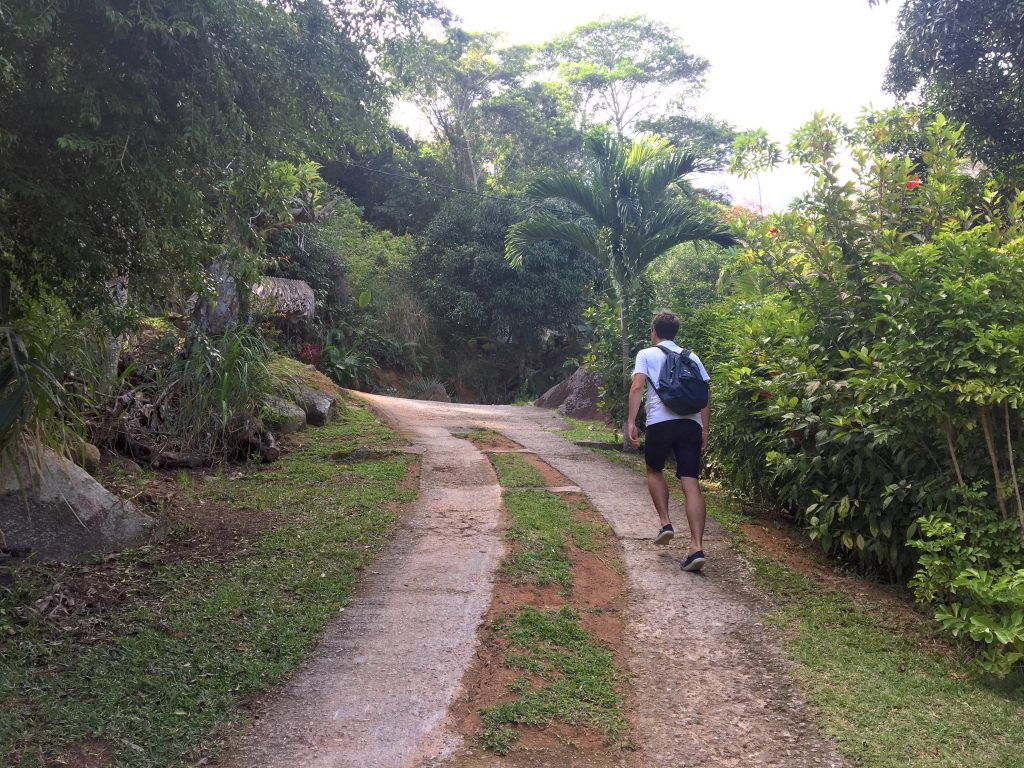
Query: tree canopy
x=136, y=138
x=967, y=61
x=619, y=70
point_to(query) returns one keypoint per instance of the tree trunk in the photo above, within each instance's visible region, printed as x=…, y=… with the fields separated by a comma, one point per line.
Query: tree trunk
x=118, y=288
x=624, y=298
x=986, y=428
x=218, y=314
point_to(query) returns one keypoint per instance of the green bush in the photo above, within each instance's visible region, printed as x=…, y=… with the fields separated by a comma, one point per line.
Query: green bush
x=876, y=389
x=367, y=312
x=969, y=565
x=498, y=324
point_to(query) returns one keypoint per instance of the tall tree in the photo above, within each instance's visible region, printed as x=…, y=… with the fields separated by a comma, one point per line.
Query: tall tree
x=446, y=79
x=619, y=70
x=705, y=136
x=630, y=210
x=754, y=153
x=967, y=61
x=136, y=137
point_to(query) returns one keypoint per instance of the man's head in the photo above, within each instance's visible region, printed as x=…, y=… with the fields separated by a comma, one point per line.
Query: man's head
x=665, y=326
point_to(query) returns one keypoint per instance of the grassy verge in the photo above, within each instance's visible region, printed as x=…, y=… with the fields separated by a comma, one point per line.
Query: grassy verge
x=591, y=431
x=160, y=680
x=887, y=691
x=541, y=527
x=514, y=471
x=580, y=678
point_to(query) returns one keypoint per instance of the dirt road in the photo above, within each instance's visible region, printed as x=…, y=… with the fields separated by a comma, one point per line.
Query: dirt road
x=709, y=686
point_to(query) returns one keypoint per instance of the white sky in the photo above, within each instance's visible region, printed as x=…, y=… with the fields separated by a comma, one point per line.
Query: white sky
x=774, y=63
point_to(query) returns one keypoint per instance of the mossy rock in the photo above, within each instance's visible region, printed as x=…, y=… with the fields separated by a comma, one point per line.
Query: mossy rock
x=283, y=416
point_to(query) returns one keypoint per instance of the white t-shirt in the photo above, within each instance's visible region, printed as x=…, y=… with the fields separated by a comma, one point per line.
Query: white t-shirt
x=649, y=362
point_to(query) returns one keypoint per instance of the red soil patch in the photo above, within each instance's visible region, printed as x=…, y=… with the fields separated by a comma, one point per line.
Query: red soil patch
x=552, y=477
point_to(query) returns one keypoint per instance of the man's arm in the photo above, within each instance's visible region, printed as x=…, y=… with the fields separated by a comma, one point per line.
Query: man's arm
x=705, y=416
x=636, y=394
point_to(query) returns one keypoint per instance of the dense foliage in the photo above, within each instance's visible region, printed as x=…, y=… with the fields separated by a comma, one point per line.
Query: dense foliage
x=966, y=60
x=875, y=388
x=499, y=326
x=136, y=137
x=627, y=207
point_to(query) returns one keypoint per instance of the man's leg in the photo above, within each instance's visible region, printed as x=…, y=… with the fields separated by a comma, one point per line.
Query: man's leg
x=696, y=511
x=659, y=493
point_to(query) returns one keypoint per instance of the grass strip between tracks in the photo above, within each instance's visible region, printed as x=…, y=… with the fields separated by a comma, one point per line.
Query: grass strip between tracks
x=565, y=674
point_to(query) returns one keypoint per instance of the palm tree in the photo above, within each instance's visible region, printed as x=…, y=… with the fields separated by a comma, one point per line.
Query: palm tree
x=632, y=210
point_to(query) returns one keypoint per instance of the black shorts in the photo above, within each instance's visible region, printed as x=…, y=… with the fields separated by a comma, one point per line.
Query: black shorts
x=679, y=436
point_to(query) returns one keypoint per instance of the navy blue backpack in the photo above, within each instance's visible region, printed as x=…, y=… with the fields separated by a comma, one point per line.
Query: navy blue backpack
x=680, y=386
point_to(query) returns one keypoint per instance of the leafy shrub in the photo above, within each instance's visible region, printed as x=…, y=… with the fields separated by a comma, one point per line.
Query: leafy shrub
x=876, y=388
x=54, y=368
x=347, y=364
x=360, y=278
x=969, y=565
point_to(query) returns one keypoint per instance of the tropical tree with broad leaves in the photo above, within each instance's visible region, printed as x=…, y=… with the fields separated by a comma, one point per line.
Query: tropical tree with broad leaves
x=632, y=205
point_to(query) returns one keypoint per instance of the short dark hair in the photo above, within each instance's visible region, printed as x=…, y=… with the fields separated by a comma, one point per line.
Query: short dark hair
x=665, y=325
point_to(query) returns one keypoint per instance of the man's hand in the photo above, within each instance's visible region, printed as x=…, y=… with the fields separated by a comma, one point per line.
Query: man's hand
x=636, y=393
x=703, y=440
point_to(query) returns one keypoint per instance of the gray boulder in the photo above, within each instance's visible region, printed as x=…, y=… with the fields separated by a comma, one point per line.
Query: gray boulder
x=87, y=456
x=318, y=407
x=436, y=393
x=284, y=416
x=55, y=508
x=577, y=396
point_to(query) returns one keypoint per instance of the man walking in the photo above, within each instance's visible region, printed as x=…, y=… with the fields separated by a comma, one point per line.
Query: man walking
x=684, y=434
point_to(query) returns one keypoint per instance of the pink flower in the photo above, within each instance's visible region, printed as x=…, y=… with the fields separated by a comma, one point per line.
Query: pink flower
x=914, y=183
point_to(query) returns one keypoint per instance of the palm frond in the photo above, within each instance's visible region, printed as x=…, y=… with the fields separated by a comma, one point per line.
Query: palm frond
x=664, y=171
x=673, y=225
x=592, y=198
x=544, y=226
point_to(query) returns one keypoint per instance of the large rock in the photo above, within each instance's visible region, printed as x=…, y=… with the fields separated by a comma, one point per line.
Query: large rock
x=290, y=298
x=436, y=393
x=86, y=455
x=52, y=506
x=577, y=396
x=318, y=407
x=284, y=416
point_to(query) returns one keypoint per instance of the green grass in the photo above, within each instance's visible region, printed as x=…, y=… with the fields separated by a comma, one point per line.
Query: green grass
x=162, y=685
x=891, y=696
x=591, y=431
x=580, y=682
x=540, y=521
x=483, y=436
x=514, y=471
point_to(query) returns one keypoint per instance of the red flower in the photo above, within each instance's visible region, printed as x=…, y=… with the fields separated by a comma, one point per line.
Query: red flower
x=914, y=183
x=311, y=353
x=773, y=232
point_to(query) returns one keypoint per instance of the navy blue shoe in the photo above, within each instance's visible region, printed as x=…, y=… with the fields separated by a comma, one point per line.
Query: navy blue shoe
x=694, y=562
x=665, y=535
